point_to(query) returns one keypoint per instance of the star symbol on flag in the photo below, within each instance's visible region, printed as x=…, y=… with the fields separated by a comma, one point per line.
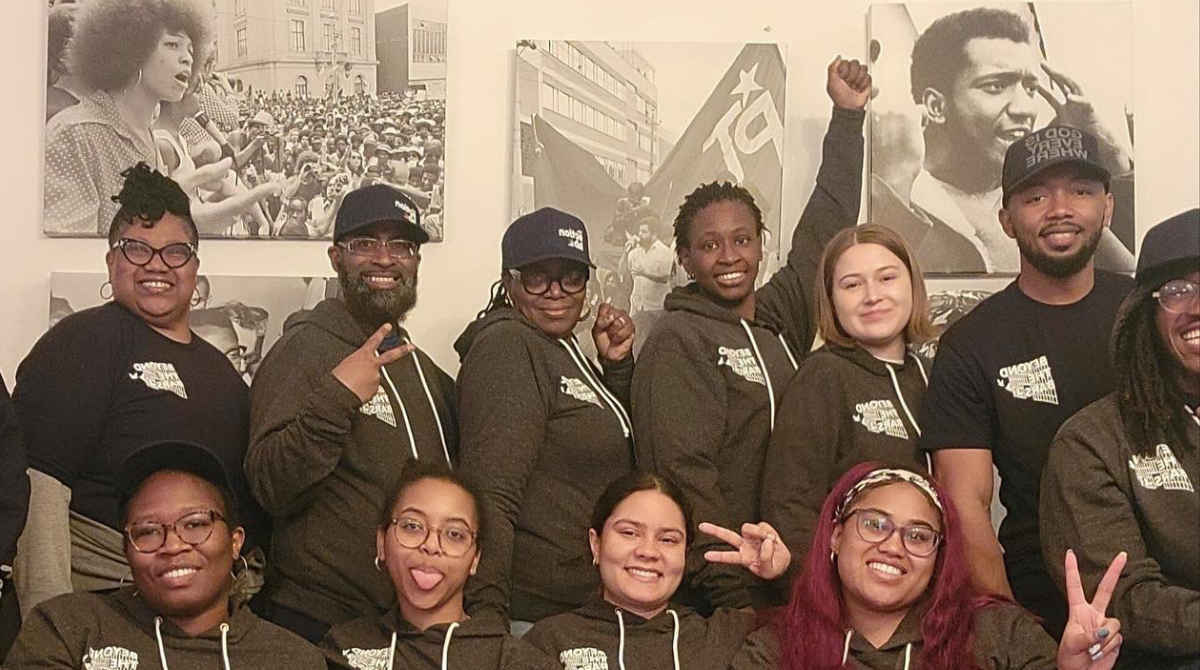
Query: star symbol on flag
x=746, y=84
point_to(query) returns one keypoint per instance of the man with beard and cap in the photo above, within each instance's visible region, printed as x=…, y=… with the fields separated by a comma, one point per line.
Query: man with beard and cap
x=343, y=400
x=1008, y=374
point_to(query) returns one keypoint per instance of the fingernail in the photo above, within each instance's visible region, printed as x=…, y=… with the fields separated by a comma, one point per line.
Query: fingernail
x=1096, y=656
x=1093, y=650
x=1102, y=633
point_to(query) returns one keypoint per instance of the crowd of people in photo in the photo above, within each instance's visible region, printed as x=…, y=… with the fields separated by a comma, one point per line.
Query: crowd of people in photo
x=777, y=480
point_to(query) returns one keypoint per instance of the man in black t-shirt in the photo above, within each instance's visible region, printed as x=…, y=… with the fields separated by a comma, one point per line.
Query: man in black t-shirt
x=1008, y=374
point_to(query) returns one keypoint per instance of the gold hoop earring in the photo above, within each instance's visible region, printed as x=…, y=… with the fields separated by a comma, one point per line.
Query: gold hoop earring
x=107, y=285
x=139, y=81
x=378, y=564
x=196, y=298
x=833, y=557
x=588, y=314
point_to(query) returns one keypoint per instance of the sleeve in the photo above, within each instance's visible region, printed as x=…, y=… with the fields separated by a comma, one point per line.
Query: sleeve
x=71, y=201
x=503, y=416
x=618, y=378
x=300, y=417
x=800, y=464
x=679, y=424
x=42, y=568
x=43, y=641
x=759, y=652
x=787, y=299
x=957, y=412
x=14, y=482
x=1083, y=508
x=1008, y=638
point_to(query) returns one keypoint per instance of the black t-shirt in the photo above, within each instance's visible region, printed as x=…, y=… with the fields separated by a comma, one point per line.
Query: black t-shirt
x=1006, y=376
x=103, y=383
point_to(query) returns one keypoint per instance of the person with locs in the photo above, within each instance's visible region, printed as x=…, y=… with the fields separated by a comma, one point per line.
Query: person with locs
x=1122, y=473
x=886, y=586
x=181, y=540
x=544, y=429
x=428, y=544
x=640, y=530
x=710, y=376
x=342, y=401
x=1008, y=374
x=858, y=398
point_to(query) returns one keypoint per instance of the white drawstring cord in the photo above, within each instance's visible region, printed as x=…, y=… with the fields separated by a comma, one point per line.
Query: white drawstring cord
x=788, y=351
x=392, y=651
x=225, y=645
x=675, y=639
x=903, y=405
x=412, y=441
x=162, y=652
x=763, y=366
x=581, y=362
x=920, y=366
x=446, y=646
x=429, y=396
x=907, y=655
x=621, y=643
x=846, y=649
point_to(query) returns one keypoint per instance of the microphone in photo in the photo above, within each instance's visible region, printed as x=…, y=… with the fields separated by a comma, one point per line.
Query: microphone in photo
x=219, y=137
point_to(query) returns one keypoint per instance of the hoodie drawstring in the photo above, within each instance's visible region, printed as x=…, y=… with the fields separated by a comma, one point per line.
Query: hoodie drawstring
x=788, y=351
x=582, y=363
x=846, y=648
x=675, y=639
x=920, y=366
x=621, y=643
x=392, y=651
x=225, y=645
x=412, y=441
x=446, y=646
x=162, y=651
x=763, y=366
x=907, y=655
x=900, y=395
x=429, y=396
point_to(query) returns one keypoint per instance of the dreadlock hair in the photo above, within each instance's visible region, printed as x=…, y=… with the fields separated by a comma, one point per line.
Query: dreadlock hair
x=710, y=194
x=1146, y=396
x=498, y=298
x=145, y=197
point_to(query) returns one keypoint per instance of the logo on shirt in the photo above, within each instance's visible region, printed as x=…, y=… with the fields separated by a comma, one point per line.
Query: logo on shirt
x=110, y=658
x=743, y=364
x=380, y=407
x=583, y=658
x=574, y=238
x=1160, y=471
x=578, y=390
x=367, y=659
x=1032, y=380
x=159, y=377
x=880, y=416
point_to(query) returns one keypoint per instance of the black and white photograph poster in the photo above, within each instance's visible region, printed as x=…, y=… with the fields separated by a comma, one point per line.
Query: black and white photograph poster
x=240, y=316
x=618, y=133
x=267, y=112
x=959, y=83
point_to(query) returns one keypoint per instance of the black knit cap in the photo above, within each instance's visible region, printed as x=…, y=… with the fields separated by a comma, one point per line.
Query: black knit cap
x=169, y=455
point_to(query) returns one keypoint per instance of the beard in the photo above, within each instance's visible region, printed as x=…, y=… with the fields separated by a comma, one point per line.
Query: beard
x=1059, y=267
x=375, y=306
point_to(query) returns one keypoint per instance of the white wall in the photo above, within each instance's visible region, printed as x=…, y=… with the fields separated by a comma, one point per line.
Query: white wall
x=455, y=275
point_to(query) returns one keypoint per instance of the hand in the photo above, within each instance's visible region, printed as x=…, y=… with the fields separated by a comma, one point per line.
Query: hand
x=758, y=549
x=359, y=371
x=613, y=333
x=848, y=84
x=1076, y=111
x=1090, y=641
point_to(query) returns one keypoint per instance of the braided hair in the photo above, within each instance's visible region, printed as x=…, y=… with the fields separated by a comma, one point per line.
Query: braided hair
x=709, y=194
x=498, y=299
x=1147, y=396
x=145, y=197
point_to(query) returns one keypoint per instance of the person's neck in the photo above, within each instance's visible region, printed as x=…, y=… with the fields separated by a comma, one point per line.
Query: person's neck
x=876, y=627
x=646, y=613
x=136, y=107
x=449, y=612
x=169, y=120
x=179, y=331
x=1051, y=290
x=888, y=351
x=206, y=620
x=945, y=164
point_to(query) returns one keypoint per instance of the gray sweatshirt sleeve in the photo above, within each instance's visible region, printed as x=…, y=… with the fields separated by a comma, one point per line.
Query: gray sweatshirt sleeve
x=42, y=569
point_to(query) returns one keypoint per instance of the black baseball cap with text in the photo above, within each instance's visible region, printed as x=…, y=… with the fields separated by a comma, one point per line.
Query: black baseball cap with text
x=544, y=234
x=379, y=202
x=1053, y=145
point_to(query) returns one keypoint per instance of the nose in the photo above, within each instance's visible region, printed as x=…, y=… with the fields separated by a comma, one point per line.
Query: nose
x=1059, y=204
x=893, y=545
x=870, y=292
x=172, y=543
x=727, y=253
x=433, y=543
x=648, y=548
x=1022, y=106
x=156, y=263
x=555, y=289
x=382, y=256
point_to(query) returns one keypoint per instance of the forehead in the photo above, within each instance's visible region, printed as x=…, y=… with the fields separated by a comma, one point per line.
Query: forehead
x=902, y=501
x=437, y=499
x=722, y=217
x=865, y=257
x=653, y=509
x=177, y=34
x=996, y=55
x=167, y=230
x=168, y=492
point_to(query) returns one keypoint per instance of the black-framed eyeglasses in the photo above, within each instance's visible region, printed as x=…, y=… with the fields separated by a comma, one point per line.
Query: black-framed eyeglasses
x=194, y=528
x=367, y=246
x=139, y=253
x=876, y=528
x=538, y=283
x=1177, y=295
x=455, y=540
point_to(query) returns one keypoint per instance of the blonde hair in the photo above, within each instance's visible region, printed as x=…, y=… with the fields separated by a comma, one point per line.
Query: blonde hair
x=919, y=327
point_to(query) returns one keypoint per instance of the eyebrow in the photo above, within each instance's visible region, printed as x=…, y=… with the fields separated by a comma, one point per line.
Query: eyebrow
x=417, y=510
x=639, y=524
x=910, y=522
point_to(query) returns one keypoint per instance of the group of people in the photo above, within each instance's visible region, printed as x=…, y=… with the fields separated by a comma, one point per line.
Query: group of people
x=546, y=510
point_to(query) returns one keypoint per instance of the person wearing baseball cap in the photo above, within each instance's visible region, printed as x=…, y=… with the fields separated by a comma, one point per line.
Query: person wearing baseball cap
x=342, y=401
x=182, y=540
x=1000, y=400
x=544, y=428
x=1123, y=472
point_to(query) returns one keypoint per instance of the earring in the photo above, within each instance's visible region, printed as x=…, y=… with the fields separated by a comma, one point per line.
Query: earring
x=139, y=81
x=196, y=298
x=586, y=315
x=106, y=285
x=833, y=557
x=378, y=564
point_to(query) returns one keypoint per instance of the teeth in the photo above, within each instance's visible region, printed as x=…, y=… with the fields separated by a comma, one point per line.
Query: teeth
x=884, y=568
x=649, y=574
x=1193, y=334
x=730, y=275
x=179, y=572
x=156, y=284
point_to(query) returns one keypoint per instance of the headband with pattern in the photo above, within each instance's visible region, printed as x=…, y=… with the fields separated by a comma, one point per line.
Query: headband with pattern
x=886, y=475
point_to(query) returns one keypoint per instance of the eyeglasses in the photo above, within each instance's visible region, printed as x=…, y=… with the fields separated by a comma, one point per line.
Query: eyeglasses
x=538, y=283
x=876, y=528
x=1177, y=295
x=454, y=540
x=398, y=249
x=140, y=254
x=148, y=536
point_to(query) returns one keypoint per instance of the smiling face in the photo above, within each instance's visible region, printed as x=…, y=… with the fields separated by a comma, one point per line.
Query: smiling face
x=180, y=581
x=1180, y=335
x=429, y=583
x=883, y=577
x=873, y=298
x=159, y=295
x=554, y=312
x=167, y=71
x=641, y=552
x=1057, y=219
x=723, y=253
x=378, y=288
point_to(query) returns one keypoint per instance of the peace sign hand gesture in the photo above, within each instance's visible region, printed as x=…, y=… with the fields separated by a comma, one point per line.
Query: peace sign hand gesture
x=1091, y=641
x=359, y=371
x=758, y=549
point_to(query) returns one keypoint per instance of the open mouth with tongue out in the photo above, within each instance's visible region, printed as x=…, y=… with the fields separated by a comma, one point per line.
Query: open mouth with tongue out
x=425, y=578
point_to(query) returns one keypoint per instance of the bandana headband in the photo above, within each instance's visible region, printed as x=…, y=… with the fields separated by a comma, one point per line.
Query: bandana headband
x=888, y=475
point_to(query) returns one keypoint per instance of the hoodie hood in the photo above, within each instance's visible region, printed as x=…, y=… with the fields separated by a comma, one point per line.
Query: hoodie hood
x=691, y=298
x=600, y=610
x=484, y=625
x=332, y=316
x=239, y=624
x=467, y=339
x=876, y=366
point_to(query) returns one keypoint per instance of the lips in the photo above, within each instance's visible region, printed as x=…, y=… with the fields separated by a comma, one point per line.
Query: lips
x=179, y=575
x=380, y=280
x=1013, y=134
x=730, y=279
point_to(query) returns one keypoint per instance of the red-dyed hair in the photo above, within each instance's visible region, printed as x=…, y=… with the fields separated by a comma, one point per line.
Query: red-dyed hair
x=812, y=629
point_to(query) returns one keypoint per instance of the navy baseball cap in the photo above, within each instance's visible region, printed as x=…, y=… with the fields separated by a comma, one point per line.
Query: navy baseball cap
x=544, y=234
x=1043, y=149
x=169, y=455
x=1170, y=247
x=379, y=202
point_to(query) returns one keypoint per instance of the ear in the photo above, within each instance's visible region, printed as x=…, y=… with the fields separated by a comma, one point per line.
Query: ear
x=835, y=541
x=475, y=563
x=380, y=540
x=1108, y=209
x=1006, y=222
x=935, y=105
x=237, y=540
x=685, y=259
x=110, y=260
x=335, y=256
x=594, y=543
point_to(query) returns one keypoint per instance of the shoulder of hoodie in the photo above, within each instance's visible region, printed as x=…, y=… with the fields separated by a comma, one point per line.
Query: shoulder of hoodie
x=684, y=332
x=502, y=338
x=263, y=635
x=1001, y=627
x=81, y=610
x=1098, y=425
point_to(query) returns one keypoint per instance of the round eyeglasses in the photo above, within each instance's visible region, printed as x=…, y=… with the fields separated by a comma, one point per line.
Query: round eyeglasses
x=367, y=246
x=148, y=537
x=876, y=528
x=140, y=254
x=455, y=540
x=538, y=283
x=1178, y=295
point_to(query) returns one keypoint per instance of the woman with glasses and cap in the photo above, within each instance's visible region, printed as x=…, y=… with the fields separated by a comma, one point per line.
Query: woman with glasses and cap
x=544, y=429
x=1123, y=472
x=181, y=538
x=886, y=587
x=107, y=380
